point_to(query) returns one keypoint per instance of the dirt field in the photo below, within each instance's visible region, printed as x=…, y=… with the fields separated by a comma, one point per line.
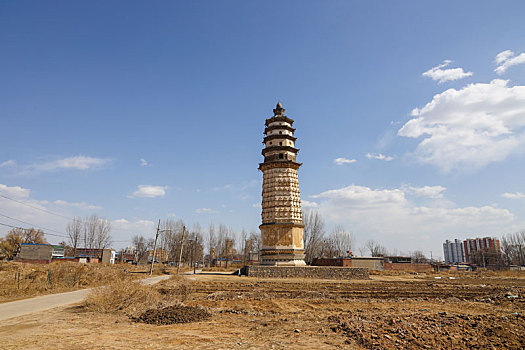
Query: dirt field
x=390, y=312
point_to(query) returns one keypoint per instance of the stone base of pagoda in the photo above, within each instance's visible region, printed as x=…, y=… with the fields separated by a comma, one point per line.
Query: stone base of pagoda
x=282, y=244
x=282, y=257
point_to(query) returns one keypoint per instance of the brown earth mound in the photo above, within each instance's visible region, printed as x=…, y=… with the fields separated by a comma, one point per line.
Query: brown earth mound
x=173, y=314
x=424, y=330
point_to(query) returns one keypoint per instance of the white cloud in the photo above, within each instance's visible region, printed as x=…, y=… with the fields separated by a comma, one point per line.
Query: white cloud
x=364, y=194
x=443, y=75
x=15, y=191
x=144, y=162
x=308, y=204
x=391, y=217
x=503, y=56
x=507, y=59
x=80, y=205
x=7, y=163
x=20, y=205
x=425, y=191
x=379, y=156
x=516, y=195
x=471, y=127
x=341, y=161
x=239, y=187
x=148, y=191
x=205, y=211
x=138, y=227
x=76, y=163
x=257, y=205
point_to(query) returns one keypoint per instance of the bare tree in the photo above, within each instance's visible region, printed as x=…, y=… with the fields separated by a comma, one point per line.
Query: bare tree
x=243, y=243
x=212, y=244
x=96, y=232
x=342, y=241
x=222, y=236
x=166, y=235
x=255, y=242
x=486, y=257
x=170, y=238
x=197, y=244
x=375, y=248
x=142, y=246
x=34, y=236
x=74, y=231
x=418, y=257
x=313, y=234
x=90, y=231
x=513, y=248
x=102, y=234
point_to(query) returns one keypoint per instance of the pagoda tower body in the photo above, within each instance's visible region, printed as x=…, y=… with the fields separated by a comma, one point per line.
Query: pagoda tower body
x=282, y=219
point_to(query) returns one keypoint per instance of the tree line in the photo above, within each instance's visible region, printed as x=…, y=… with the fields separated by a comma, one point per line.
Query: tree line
x=513, y=248
x=196, y=244
x=93, y=232
x=220, y=242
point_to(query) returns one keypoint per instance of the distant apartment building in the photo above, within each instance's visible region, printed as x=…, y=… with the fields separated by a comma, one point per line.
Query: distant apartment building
x=476, y=247
x=472, y=250
x=454, y=252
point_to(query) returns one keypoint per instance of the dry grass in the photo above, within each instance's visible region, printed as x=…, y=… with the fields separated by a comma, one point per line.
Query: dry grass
x=133, y=298
x=176, y=287
x=19, y=280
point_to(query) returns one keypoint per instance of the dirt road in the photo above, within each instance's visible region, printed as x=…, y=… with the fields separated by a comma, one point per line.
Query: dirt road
x=46, y=302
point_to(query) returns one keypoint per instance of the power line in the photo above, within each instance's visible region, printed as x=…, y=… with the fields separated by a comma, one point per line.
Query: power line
x=37, y=208
x=49, y=212
x=45, y=233
x=9, y=225
x=62, y=234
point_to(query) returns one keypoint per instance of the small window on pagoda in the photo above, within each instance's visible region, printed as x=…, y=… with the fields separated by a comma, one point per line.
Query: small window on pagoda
x=270, y=142
x=280, y=143
x=280, y=156
x=280, y=132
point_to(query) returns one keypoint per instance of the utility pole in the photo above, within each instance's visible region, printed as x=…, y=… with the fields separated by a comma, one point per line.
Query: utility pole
x=154, y=249
x=193, y=254
x=181, y=245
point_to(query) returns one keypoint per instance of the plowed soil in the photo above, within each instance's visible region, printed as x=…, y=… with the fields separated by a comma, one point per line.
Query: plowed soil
x=483, y=311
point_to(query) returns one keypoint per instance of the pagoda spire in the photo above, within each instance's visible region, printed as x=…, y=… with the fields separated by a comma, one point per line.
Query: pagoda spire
x=279, y=110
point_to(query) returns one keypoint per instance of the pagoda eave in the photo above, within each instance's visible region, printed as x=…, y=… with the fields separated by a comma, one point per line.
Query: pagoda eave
x=279, y=164
x=280, y=118
x=279, y=136
x=279, y=148
x=279, y=127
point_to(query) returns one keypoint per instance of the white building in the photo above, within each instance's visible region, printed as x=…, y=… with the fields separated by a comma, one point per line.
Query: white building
x=454, y=252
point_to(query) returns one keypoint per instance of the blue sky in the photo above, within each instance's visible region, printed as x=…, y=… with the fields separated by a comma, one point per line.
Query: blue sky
x=91, y=88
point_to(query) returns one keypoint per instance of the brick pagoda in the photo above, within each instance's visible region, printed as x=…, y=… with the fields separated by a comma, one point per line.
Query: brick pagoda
x=282, y=220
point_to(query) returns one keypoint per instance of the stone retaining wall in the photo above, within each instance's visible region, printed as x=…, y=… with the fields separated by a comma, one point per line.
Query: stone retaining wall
x=319, y=272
